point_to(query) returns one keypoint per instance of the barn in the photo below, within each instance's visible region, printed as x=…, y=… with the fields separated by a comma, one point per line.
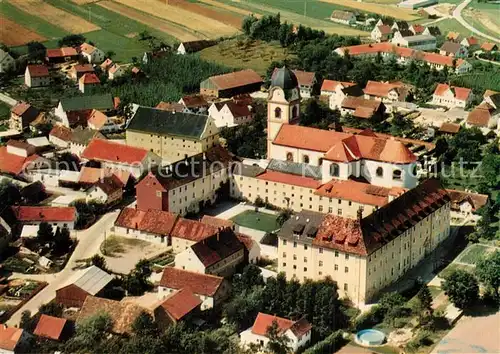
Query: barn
x=89, y=281
x=232, y=84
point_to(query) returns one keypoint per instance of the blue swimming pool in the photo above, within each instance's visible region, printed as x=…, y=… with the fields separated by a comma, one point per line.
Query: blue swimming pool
x=370, y=337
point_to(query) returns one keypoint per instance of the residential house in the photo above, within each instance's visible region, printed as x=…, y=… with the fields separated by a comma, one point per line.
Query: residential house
x=451, y=96
x=36, y=75
x=432, y=31
x=50, y=327
x=362, y=108
x=212, y=290
x=195, y=104
x=448, y=128
x=122, y=313
x=89, y=176
x=115, y=71
x=365, y=258
x=20, y=148
x=400, y=26
x=231, y=84
x=61, y=55
x=88, y=82
x=387, y=92
x=219, y=255
x=90, y=281
x=81, y=138
x=486, y=115
x=331, y=87
x=179, y=306
x=14, y=162
x=173, y=136
x=297, y=332
x=307, y=82
x=417, y=42
x=187, y=185
x=406, y=55
x=35, y=215
x=33, y=193
x=219, y=223
x=187, y=233
x=489, y=47
x=172, y=107
x=465, y=204
x=60, y=136
x=342, y=91
x=454, y=37
x=252, y=248
x=417, y=29
x=454, y=49
x=21, y=115
x=91, y=54
x=194, y=46
x=108, y=190
x=75, y=110
x=230, y=113
x=51, y=176
x=79, y=70
x=12, y=340
x=471, y=43
x=100, y=121
x=344, y=17
x=118, y=156
x=381, y=33
x=7, y=63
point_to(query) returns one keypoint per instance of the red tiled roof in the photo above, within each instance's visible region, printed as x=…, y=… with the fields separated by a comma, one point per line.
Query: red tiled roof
x=488, y=46
x=193, y=230
x=83, y=68
x=481, y=115
x=61, y=52
x=418, y=29
x=217, y=222
x=170, y=106
x=105, y=150
x=44, y=213
x=194, y=101
x=245, y=240
x=14, y=164
x=363, y=193
x=37, y=70
x=20, y=108
x=50, y=327
x=87, y=48
x=91, y=175
x=199, y=284
x=472, y=40
x=9, y=337
x=263, y=321
x=238, y=110
x=106, y=64
x=286, y=178
x=452, y=128
x=304, y=77
x=460, y=93
x=61, y=132
x=330, y=85
x=489, y=93
x=89, y=78
x=477, y=201
x=235, y=79
x=181, y=303
x=379, y=89
x=153, y=221
x=453, y=35
x=97, y=119
x=307, y=138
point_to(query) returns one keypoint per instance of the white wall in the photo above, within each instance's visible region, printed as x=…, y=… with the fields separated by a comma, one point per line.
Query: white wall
x=279, y=152
x=207, y=301
x=188, y=260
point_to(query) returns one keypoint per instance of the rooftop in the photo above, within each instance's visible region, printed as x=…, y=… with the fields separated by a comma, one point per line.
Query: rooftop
x=44, y=213
x=180, y=304
x=153, y=221
x=37, y=70
x=199, y=284
x=9, y=337
x=105, y=150
x=88, y=102
x=14, y=164
x=50, y=327
x=91, y=279
x=235, y=79
x=215, y=248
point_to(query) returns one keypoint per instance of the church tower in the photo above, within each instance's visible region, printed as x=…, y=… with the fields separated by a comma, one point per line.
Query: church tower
x=283, y=104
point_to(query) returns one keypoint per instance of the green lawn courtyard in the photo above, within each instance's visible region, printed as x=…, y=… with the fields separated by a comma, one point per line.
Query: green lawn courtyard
x=256, y=220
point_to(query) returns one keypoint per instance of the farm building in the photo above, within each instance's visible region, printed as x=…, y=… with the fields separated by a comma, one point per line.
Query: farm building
x=177, y=307
x=60, y=55
x=91, y=54
x=418, y=42
x=35, y=215
x=87, y=82
x=415, y=4
x=194, y=46
x=21, y=115
x=69, y=109
x=89, y=281
x=36, y=75
x=344, y=17
x=232, y=84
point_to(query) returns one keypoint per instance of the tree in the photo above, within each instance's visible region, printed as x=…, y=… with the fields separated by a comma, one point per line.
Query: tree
x=51, y=309
x=424, y=303
x=62, y=239
x=283, y=216
x=462, y=288
x=89, y=334
x=36, y=51
x=390, y=300
x=249, y=278
x=144, y=324
x=72, y=40
x=98, y=261
x=278, y=342
x=26, y=322
x=488, y=272
x=45, y=233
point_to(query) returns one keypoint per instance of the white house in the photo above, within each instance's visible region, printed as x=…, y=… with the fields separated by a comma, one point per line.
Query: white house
x=53, y=177
x=307, y=81
x=417, y=42
x=230, y=113
x=212, y=290
x=115, y=71
x=7, y=63
x=108, y=190
x=81, y=138
x=74, y=111
x=194, y=46
x=381, y=33
x=451, y=96
x=91, y=54
x=101, y=122
x=36, y=75
x=35, y=215
x=344, y=17
x=87, y=82
x=298, y=332
x=20, y=148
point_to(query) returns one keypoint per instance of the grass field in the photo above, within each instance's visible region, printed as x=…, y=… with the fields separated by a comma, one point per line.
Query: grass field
x=36, y=24
x=231, y=8
x=4, y=111
x=452, y=25
x=256, y=55
x=381, y=9
x=256, y=220
x=474, y=253
x=125, y=48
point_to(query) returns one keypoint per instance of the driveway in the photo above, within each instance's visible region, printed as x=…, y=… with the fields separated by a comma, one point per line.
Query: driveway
x=457, y=14
x=88, y=244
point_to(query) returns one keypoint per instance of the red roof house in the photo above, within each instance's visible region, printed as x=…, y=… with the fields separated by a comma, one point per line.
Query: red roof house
x=50, y=327
x=177, y=307
x=38, y=214
x=10, y=338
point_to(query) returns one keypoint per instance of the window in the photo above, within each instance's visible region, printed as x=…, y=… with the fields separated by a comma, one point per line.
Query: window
x=336, y=253
x=284, y=264
x=320, y=208
x=320, y=250
x=305, y=247
x=305, y=159
x=294, y=111
x=345, y=287
x=396, y=175
x=320, y=161
x=346, y=257
x=289, y=156
x=346, y=270
x=295, y=244
x=330, y=210
x=294, y=257
x=334, y=170
x=339, y=212
x=158, y=193
x=284, y=242
x=305, y=269
x=284, y=254
x=277, y=112
x=380, y=172
x=321, y=263
x=336, y=267
x=294, y=267
x=320, y=273
x=305, y=259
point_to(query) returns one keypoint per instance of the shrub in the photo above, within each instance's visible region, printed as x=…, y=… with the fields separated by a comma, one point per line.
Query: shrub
x=368, y=319
x=328, y=345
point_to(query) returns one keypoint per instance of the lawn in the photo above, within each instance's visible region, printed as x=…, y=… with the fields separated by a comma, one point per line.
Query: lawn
x=4, y=111
x=257, y=220
x=254, y=55
x=34, y=23
x=474, y=253
x=115, y=245
x=125, y=48
x=452, y=267
x=452, y=25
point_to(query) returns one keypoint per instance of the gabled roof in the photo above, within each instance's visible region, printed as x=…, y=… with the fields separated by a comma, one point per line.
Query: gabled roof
x=341, y=15
x=83, y=68
x=263, y=321
x=384, y=29
x=287, y=178
x=304, y=77
x=14, y=164
x=459, y=93
x=61, y=52
x=454, y=36
x=26, y=111
x=418, y=28
x=381, y=89
x=481, y=115
x=105, y=150
x=153, y=221
x=109, y=184
x=87, y=48
x=196, y=46
x=105, y=65
x=97, y=119
x=451, y=128
x=217, y=222
x=238, y=110
x=170, y=106
x=197, y=283
x=331, y=85
x=194, y=101
x=37, y=70
x=44, y=213
x=83, y=136
x=50, y=327
x=450, y=47
x=89, y=79
x=91, y=280
x=88, y=102
x=180, y=304
x=193, y=230
x=471, y=40
x=216, y=248
x=477, y=201
x=9, y=337
x=488, y=46
x=162, y=122
x=434, y=30
x=235, y=79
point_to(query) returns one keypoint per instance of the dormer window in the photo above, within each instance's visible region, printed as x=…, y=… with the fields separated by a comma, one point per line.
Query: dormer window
x=396, y=175
x=277, y=112
x=334, y=170
x=305, y=159
x=380, y=172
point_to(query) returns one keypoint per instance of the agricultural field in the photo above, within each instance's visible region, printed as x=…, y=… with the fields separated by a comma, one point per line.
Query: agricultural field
x=13, y=34
x=196, y=22
x=254, y=55
x=231, y=8
x=125, y=48
x=478, y=81
x=58, y=17
x=223, y=16
x=381, y=9
x=452, y=25
x=484, y=17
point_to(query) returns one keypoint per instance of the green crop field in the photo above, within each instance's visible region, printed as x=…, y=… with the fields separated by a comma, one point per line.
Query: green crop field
x=256, y=220
x=452, y=25
x=125, y=48
x=34, y=23
x=478, y=81
x=4, y=111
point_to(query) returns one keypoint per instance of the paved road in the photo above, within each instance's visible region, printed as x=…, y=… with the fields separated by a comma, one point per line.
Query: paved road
x=7, y=99
x=88, y=244
x=457, y=14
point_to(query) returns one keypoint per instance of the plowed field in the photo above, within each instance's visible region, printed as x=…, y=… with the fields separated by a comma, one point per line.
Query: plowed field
x=13, y=34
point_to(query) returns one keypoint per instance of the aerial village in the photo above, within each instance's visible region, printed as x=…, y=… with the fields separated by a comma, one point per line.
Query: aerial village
x=154, y=228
